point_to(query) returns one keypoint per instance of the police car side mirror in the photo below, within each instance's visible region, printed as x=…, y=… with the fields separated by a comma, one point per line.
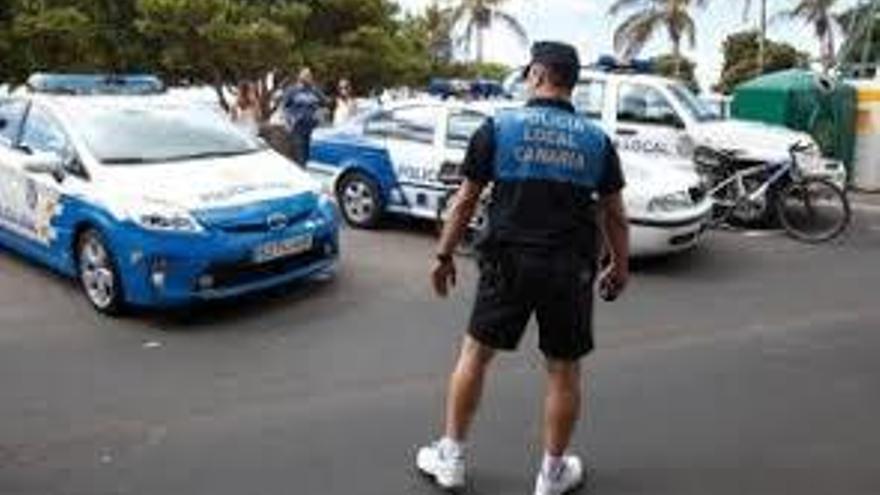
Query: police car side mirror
x=46, y=163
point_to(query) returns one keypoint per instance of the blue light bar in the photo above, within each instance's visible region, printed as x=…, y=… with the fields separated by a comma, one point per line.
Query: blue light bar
x=609, y=63
x=96, y=84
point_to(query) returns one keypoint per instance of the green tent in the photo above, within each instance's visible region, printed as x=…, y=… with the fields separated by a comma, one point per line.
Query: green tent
x=805, y=101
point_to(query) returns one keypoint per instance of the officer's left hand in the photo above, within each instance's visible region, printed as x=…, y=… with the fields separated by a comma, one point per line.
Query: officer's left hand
x=613, y=281
x=443, y=277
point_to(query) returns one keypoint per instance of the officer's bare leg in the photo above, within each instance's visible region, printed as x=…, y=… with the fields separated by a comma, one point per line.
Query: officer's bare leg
x=561, y=405
x=466, y=387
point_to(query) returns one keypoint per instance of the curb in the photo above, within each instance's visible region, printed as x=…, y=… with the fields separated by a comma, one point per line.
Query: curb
x=865, y=207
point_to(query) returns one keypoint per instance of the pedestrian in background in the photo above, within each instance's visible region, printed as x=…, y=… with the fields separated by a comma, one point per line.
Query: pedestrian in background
x=556, y=192
x=301, y=103
x=346, y=105
x=245, y=113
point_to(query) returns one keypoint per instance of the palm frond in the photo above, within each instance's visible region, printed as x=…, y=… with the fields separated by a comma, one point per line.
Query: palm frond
x=689, y=29
x=747, y=9
x=632, y=35
x=513, y=24
x=621, y=5
x=459, y=13
x=464, y=41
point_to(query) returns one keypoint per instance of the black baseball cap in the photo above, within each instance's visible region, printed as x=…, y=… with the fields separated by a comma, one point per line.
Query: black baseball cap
x=561, y=57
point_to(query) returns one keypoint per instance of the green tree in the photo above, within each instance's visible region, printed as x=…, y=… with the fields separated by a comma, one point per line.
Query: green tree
x=860, y=52
x=6, y=16
x=647, y=17
x=437, y=25
x=44, y=35
x=683, y=69
x=363, y=40
x=818, y=14
x=219, y=42
x=478, y=16
x=741, y=59
x=762, y=31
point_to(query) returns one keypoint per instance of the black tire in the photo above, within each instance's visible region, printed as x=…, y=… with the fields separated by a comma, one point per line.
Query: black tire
x=98, y=274
x=359, y=200
x=813, y=210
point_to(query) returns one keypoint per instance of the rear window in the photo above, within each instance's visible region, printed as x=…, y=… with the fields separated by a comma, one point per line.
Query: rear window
x=462, y=126
x=11, y=115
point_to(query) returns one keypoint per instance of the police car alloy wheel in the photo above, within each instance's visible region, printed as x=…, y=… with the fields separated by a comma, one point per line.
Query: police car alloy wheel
x=97, y=273
x=359, y=198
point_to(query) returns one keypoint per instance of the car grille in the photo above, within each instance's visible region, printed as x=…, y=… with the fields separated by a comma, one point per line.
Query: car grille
x=256, y=218
x=229, y=275
x=259, y=226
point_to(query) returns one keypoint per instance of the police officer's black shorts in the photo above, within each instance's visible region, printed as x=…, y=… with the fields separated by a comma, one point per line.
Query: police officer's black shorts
x=556, y=287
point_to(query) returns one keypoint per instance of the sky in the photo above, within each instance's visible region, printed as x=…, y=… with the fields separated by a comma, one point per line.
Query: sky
x=585, y=24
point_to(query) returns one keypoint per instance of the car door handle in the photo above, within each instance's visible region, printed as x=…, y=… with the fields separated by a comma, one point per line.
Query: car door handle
x=626, y=132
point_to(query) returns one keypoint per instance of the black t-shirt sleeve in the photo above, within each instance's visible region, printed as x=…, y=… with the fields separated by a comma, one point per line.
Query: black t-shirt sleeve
x=478, y=162
x=612, y=178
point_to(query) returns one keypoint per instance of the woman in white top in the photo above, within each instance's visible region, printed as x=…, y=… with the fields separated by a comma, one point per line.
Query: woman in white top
x=246, y=111
x=346, y=106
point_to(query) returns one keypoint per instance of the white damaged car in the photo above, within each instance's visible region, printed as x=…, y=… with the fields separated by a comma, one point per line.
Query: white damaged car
x=662, y=118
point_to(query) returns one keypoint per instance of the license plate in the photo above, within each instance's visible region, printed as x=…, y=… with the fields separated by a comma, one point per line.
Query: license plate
x=284, y=248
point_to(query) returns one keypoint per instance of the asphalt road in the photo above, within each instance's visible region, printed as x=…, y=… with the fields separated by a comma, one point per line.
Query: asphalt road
x=748, y=367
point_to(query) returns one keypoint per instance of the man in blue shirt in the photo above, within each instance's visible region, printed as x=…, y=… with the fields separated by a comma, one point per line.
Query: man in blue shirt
x=556, y=196
x=301, y=103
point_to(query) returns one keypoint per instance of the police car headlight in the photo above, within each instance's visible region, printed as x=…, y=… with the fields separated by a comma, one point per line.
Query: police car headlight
x=161, y=217
x=162, y=222
x=676, y=201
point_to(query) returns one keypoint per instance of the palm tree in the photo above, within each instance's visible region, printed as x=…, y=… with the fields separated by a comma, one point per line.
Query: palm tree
x=762, y=36
x=438, y=26
x=818, y=13
x=650, y=16
x=478, y=16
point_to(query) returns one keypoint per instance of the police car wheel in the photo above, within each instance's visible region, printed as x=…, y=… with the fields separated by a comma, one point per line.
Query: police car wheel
x=359, y=199
x=97, y=273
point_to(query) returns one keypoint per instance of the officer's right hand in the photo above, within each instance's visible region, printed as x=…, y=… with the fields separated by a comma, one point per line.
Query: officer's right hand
x=443, y=277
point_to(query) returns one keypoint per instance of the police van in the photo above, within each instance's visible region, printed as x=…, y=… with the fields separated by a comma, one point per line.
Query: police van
x=149, y=201
x=660, y=117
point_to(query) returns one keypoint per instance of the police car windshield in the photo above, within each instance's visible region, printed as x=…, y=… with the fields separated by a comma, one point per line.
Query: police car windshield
x=135, y=136
x=696, y=108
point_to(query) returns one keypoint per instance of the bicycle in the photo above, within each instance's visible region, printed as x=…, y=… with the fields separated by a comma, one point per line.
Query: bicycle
x=810, y=208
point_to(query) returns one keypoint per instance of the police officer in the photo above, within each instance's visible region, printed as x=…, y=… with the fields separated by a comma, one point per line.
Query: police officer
x=301, y=103
x=556, y=198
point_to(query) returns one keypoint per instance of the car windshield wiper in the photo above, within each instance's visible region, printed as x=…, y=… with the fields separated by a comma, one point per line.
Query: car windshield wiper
x=215, y=154
x=139, y=160
x=128, y=160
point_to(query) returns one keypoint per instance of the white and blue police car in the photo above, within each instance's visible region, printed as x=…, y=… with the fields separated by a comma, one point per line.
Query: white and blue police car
x=393, y=159
x=148, y=201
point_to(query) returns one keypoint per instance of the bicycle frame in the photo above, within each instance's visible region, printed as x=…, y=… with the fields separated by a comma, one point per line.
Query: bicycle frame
x=738, y=178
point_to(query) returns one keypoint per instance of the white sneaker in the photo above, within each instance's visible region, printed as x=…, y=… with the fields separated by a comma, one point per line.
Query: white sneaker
x=447, y=469
x=569, y=478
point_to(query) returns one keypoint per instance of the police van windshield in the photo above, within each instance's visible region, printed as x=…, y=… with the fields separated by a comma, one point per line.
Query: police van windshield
x=135, y=136
x=696, y=108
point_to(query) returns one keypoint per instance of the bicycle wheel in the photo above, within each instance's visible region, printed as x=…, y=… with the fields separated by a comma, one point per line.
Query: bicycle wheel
x=813, y=210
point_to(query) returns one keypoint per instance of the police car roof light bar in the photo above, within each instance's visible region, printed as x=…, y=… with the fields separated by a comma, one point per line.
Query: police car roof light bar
x=95, y=84
x=610, y=63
